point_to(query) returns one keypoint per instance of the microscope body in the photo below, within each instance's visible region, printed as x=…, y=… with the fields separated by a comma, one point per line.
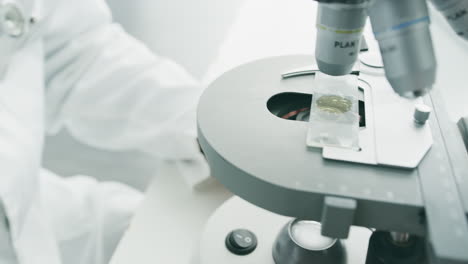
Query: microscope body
x=402, y=30
x=401, y=198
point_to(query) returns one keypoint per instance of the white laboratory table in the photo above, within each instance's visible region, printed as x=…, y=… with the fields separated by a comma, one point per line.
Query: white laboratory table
x=168, y=224
x=165, y=228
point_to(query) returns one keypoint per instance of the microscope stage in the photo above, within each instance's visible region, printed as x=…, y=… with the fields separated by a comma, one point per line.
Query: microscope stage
x=405, y=177
x=264, y=159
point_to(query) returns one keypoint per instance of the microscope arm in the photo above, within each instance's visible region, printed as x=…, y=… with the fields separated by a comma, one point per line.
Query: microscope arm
x=402, y=29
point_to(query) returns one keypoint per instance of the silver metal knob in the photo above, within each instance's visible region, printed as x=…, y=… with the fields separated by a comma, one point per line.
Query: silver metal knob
x=421, y=113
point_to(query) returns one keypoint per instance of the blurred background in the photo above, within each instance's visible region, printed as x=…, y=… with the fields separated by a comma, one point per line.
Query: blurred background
x=189, y=32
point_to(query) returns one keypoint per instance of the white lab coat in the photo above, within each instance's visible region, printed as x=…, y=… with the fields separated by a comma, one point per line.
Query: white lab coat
x=74, y=69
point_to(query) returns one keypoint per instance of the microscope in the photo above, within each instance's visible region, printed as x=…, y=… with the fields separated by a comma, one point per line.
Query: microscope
x=342, y=157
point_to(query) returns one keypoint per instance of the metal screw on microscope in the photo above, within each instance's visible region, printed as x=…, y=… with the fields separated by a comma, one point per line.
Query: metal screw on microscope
x=421, y=113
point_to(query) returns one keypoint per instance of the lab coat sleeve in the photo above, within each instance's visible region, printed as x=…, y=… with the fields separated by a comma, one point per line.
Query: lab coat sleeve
x=111, y=92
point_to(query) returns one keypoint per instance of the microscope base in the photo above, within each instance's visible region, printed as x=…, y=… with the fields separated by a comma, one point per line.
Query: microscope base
x=239, y=214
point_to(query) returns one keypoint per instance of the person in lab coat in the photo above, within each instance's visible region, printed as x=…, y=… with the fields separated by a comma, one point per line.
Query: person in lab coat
x=65, y=65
